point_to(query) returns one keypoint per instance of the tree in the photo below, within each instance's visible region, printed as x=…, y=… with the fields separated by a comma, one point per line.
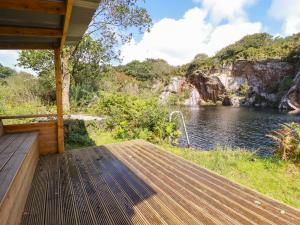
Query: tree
x=6, y=71
x=109, y=29
x=149, y=70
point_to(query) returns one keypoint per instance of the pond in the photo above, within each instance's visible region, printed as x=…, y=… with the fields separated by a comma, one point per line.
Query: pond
x=212, y=126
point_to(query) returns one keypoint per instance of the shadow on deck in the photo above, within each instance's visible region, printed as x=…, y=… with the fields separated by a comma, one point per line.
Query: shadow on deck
x=137, y=183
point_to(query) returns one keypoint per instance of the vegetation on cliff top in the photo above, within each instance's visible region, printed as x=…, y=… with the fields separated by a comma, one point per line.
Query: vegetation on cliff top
x=255, y=47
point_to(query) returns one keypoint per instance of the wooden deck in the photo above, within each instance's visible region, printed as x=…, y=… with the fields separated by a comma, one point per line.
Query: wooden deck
x=136, y=183
x=18, y=159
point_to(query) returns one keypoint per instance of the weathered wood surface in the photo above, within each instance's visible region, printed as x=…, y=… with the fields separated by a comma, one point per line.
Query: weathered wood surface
x=18, y=159
x=47, y=134
x=28, y=116
x=1, y=128
x=137, y=183
x=59, y=101
x=51, y=7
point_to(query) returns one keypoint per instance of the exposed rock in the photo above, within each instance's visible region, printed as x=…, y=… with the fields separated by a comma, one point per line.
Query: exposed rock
x=259, y=84
x=209, y=87
x=226, y=101
x=175, y=87
x=291, y=100
x=236, y=101
x=194, y=99
x=232, y=83
x=262, y=75
x=263, y=79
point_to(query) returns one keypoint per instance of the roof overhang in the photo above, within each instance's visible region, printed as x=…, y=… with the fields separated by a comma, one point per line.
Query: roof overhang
x=44, y=24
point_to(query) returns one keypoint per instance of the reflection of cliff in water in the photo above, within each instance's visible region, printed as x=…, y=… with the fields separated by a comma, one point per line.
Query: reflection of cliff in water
x=211, y=126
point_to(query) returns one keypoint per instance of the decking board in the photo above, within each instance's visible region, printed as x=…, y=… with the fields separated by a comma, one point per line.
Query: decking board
x=137, y=183
x=18, y=161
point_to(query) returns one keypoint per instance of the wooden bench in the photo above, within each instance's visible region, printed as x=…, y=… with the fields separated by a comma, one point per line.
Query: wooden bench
x=19, y=155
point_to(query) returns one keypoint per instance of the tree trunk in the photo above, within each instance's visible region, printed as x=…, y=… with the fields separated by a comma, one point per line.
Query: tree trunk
x=65, y=59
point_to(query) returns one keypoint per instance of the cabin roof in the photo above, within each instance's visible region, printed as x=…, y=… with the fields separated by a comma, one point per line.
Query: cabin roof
x=48, y=24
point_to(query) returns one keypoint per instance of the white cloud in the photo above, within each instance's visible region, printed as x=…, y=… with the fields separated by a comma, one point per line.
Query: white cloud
x=9, y=58
x=233, y=10
x=178, y=41
x=288, y=12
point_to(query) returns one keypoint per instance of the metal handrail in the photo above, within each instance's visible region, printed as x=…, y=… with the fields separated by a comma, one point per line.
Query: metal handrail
x=184, y=126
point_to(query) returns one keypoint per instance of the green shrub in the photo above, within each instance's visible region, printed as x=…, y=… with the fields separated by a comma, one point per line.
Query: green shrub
x=18, y=96
x=288, y=141
x=79, y=133
x=244, y=89
x=130, y=117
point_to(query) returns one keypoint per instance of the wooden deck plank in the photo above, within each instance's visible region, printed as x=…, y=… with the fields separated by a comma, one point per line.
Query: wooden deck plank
x=34, y=212
x=11, y=148
x=266, y=204
x=93, y=196
x=154, y=212
x=5, y=141
x=96, y=173
x=18, y=163
x=198, y=207
x=82, y=206
x=69, y=212
x=9, y=166
x=225, y=197
x=148, y=194
x=137, y=183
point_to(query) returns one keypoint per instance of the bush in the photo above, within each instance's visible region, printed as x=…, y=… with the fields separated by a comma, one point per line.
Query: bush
x=18, y=96
x=288, y=140
x=244, y=89
x=130, y=117
x=79, y=133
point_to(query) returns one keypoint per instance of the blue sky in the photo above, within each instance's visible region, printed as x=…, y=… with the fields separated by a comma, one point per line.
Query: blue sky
x=184, y=28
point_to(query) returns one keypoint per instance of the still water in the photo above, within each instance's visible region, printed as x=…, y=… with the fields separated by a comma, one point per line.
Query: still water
x=212, y=126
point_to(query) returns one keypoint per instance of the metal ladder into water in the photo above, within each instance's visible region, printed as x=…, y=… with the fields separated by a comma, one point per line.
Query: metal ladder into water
x=184, y=125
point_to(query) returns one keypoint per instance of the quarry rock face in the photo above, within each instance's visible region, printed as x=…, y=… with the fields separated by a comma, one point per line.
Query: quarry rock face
x=260, y=84
x=262, y=75
x=209, y=87
x=194, y=99
x=262, y=78
x=174, y=87
x=291, y=100
x=179, y=85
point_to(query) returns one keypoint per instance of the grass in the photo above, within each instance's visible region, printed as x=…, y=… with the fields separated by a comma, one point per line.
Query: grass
x=104, y=138
x=271, y=176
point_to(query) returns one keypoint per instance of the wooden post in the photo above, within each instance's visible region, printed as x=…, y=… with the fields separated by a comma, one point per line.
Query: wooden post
x=59, y=105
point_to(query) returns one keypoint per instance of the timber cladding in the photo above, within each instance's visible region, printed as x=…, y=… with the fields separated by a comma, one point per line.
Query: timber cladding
x=47, y=134
x=1, y=128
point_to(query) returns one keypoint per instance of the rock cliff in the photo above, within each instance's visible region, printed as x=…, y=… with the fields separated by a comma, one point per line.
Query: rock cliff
x=272, y=83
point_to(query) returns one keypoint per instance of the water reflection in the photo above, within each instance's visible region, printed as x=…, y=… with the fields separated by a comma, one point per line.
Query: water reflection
x=211, y=126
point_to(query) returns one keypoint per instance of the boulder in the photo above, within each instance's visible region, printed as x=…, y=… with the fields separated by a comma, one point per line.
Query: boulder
x=291, y=100
x=226, y=101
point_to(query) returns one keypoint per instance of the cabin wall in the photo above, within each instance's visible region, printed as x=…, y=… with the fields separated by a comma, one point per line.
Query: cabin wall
x=47, y=134
x=1, y=128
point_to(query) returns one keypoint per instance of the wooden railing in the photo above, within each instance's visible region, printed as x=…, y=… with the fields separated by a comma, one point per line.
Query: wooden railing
x=28, y=116
x=47, y=130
